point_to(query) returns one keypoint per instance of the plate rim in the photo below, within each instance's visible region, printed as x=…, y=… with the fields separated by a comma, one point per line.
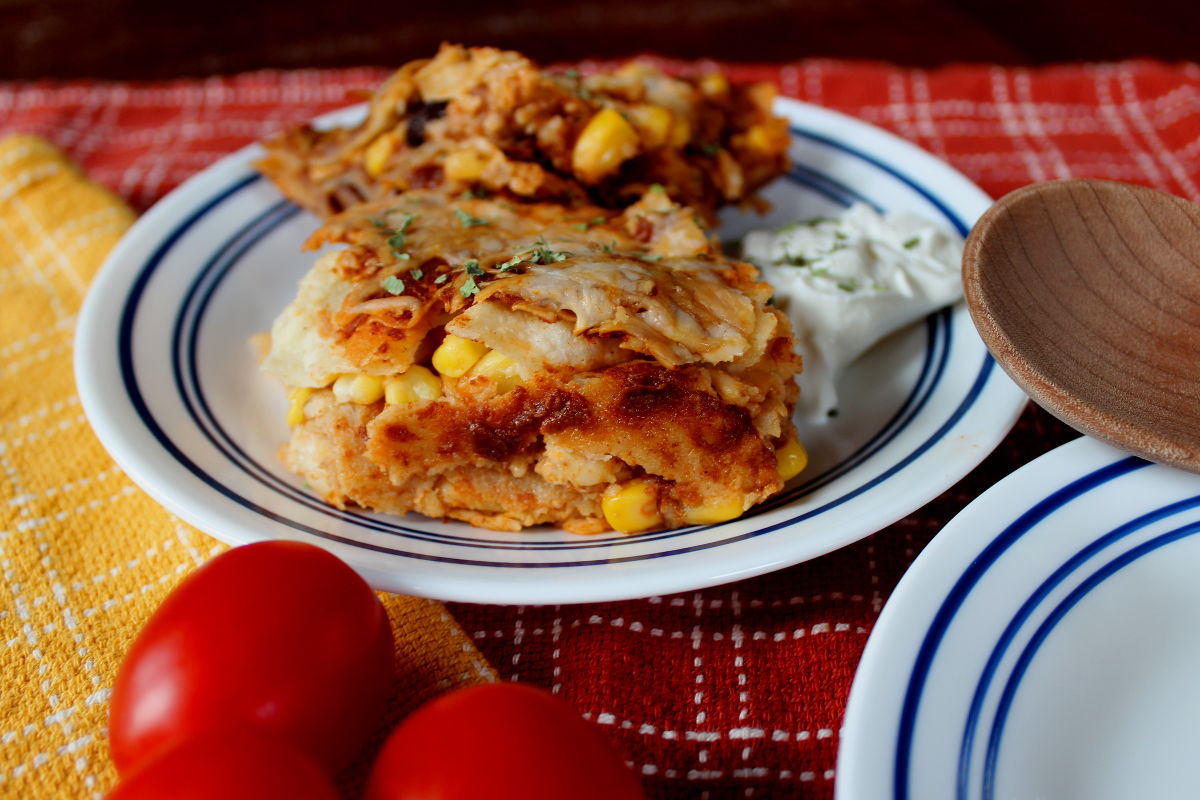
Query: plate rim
x=841, y=128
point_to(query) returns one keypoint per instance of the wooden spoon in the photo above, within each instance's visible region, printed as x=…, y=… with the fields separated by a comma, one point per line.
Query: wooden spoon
x=1087, y=292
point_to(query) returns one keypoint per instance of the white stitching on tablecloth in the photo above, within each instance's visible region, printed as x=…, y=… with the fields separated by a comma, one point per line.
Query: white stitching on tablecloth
x=898, y=107
x=696, y=634
x=1150, y=134
x=1102, y=75
x=1023, y=85
x=1013, y=126
x=924, y=110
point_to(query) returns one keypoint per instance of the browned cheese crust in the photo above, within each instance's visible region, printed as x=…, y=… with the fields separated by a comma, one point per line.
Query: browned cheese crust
x=491, y=119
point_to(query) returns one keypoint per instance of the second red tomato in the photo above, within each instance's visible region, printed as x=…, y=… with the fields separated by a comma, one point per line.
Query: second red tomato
x=500, y=741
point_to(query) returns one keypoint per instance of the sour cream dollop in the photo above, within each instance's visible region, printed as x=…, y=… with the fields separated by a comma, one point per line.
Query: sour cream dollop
x=846, y=283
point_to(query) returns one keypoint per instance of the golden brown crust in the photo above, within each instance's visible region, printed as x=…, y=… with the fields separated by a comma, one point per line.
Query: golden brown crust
x=505, y=461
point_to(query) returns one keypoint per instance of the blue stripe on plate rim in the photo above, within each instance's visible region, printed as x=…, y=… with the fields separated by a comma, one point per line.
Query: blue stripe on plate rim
x=1044, y=630
x=939, y=346
x=970, y=578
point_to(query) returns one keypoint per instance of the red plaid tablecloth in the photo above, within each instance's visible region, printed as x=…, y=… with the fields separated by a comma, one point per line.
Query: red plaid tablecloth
x=736, y=690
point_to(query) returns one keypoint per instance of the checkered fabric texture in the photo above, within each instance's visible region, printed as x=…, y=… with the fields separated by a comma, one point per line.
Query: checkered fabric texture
x=732, y=691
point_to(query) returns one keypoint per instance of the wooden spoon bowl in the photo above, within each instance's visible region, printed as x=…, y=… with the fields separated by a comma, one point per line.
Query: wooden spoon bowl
x=1087, y=293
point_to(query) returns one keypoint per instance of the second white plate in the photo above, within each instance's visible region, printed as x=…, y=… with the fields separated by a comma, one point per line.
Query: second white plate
x=169, y=382
x=1045, y=644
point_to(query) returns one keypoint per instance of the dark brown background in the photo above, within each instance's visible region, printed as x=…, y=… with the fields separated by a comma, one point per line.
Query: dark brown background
x=169, y=38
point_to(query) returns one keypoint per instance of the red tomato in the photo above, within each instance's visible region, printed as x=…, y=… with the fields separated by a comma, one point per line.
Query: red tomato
x=501, y=741
x=281, y=636
x=230, y=765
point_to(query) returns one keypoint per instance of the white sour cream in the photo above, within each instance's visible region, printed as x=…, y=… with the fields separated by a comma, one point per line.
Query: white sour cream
x=846, y=283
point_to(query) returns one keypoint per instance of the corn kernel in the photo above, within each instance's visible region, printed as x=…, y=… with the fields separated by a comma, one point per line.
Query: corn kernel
x=297, y=397
x=377, y=154
x=714, y=84
x=767, y=139
x=361, y=389
x=632, y=507
x=500, y=368
x=791, y=459
x=653, y=123
x=721, y=510
x=607, y=140
x=463, y=166
x=416, y=385
x=455, y=355
x=681, y=131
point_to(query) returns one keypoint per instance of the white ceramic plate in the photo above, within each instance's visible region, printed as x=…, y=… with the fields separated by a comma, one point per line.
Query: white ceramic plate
x=171, y=387
x=1045, y=644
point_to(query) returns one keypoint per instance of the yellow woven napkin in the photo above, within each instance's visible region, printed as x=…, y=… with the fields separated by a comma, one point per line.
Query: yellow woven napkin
x=86, y=556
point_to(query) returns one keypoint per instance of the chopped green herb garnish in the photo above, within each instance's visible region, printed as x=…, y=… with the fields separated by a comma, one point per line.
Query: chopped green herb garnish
x=397, y=238
x=911, y=243
x=649, y=256
x=848, y=285
x=795, y=260
x=572, y=73
x=469, y=288
x=393, y=284
x=710, y=149
x=583, y=226
x=472, y=267
x=542, y=253
x=469, y=221
x=474, y=194
x=417, y=274
x=841, y=237
x=545, y=254
x=696, y=219
x=611, y=247
x=820, y=272
x=512, y=262
x=440, y=279
x=657, y=187
x=583, y=93
x=381, y=220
